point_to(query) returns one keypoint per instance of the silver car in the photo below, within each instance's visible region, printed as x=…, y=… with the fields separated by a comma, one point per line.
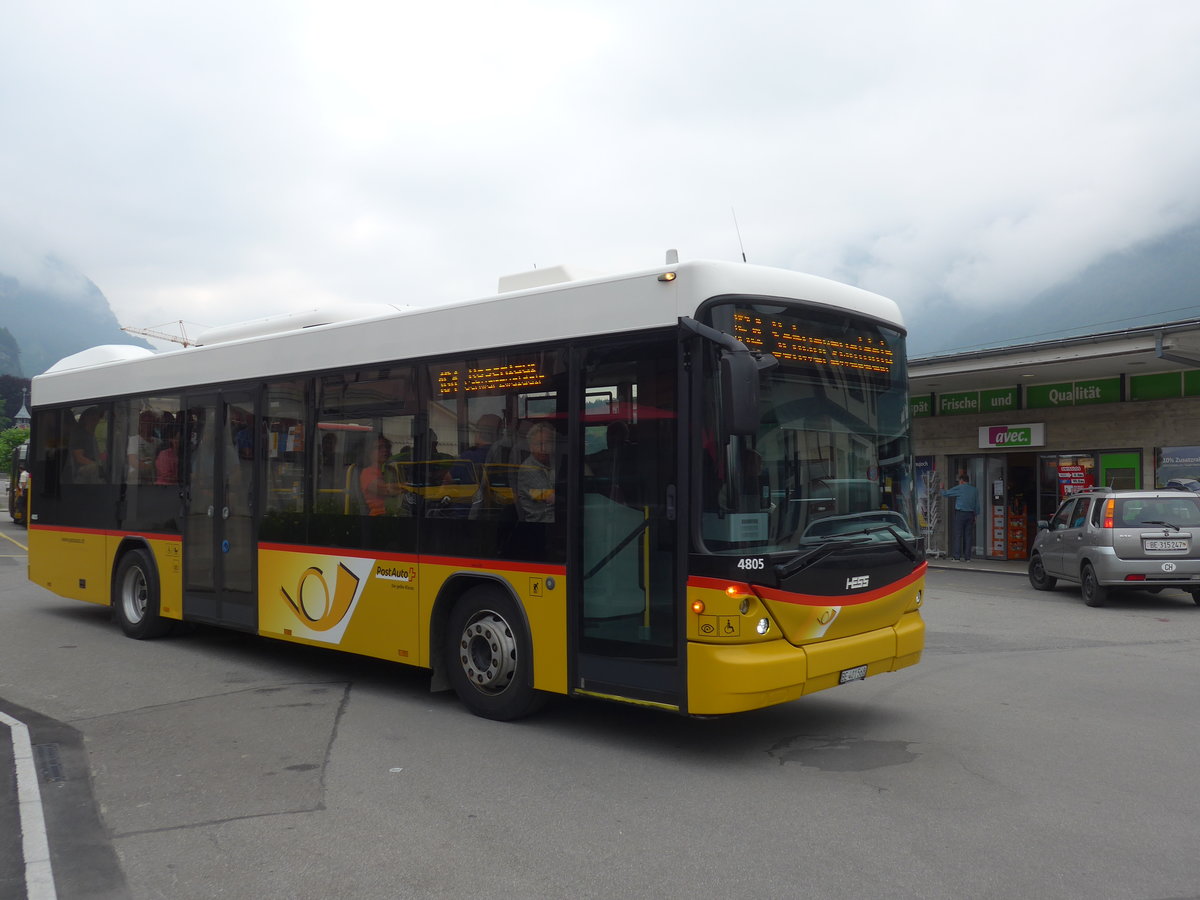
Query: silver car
x=1106, y=540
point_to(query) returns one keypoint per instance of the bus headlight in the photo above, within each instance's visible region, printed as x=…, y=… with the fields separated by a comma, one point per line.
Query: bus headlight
x=764, y=625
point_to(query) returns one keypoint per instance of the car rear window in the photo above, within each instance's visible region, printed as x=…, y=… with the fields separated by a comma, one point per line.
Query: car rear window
x=1183, y=511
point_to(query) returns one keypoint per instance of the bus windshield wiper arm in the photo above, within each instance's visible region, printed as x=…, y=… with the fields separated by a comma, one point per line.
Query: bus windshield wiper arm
x=904, y=545
x=786, y=570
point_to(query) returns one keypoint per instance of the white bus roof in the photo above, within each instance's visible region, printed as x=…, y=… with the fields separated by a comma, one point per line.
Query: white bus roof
x=552, y=312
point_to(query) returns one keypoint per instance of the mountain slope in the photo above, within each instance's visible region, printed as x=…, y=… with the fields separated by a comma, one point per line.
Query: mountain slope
x=1149, y=284
x=53, y=313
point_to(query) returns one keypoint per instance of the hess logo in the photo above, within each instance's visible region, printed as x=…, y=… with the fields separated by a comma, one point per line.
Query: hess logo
x=857, y=582
x=313, y=602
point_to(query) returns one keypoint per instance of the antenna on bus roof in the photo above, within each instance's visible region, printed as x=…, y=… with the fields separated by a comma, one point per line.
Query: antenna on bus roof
x=741, y=246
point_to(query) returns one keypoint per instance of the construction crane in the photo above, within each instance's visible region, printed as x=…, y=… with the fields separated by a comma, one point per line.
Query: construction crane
x=181, y=338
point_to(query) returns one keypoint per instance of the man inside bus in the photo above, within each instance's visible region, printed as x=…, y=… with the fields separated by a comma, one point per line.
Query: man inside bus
x=535, y=479
x=85, y=452
x=487, y=429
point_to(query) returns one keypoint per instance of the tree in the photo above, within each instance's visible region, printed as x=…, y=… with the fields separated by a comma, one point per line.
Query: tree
x=10, y=439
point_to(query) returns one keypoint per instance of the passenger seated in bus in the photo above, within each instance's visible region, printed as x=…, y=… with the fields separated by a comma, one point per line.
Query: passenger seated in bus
x=535, y=479
x=487, y=429
x=141, y=450
x=85, y=453
x=166, y=464
x=373, y=483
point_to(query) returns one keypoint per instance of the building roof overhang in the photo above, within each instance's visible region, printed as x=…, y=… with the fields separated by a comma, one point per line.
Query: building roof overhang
x=1158, y=348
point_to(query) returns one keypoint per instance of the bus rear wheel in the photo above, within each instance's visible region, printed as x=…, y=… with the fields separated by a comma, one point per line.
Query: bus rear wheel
x=136, y=597
x=489, y=658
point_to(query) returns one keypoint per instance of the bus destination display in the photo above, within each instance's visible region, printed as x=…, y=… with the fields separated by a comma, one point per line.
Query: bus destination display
x=490, y=378
x=793, y=340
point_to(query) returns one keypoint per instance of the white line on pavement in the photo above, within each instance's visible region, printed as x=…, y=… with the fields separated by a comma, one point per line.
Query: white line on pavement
x=39, y=878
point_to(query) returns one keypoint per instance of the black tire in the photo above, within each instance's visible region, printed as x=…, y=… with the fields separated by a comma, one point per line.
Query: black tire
x=1094, y=593
x=1195, y=597
x=488, y=656
x=136, y=598
x=1037, y=575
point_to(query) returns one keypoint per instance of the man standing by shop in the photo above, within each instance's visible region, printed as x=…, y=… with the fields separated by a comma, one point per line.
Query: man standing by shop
x=966, y=506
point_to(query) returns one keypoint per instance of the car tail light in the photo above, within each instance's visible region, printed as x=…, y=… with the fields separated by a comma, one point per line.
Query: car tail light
x=1135, y=577
x=1110, y=507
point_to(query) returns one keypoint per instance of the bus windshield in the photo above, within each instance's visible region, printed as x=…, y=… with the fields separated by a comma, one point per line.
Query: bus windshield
x=831, y=459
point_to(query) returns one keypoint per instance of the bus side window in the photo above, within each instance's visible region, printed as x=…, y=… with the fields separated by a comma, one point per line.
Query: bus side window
x=286, y=448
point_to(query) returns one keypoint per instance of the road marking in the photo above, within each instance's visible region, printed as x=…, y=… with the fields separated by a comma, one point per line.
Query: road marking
x=14, y=540
x=39, y=878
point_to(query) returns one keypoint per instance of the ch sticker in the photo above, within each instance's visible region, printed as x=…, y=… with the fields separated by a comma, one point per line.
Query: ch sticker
x=313, y=602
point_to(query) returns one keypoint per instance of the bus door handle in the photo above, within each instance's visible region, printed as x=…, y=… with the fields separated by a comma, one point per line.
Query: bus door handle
x=224, y=512
x=210, y=511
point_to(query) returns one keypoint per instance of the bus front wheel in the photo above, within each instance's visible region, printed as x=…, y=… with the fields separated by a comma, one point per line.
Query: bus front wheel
x=488, y=656
x=136, y=597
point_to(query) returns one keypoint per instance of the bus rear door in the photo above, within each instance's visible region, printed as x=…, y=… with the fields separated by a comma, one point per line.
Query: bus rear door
x=220, y=437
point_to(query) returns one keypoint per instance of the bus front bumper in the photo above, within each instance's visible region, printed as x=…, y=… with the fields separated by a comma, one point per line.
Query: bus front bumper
x=729, y=678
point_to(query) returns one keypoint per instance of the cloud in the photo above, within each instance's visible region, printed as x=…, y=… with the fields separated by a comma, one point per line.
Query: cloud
x=231, y=161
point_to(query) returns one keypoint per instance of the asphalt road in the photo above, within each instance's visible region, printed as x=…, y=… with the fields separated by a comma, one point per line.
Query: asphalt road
x=1041, y=749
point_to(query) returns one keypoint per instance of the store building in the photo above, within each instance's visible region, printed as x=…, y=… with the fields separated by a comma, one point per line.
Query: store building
x=1031, y=423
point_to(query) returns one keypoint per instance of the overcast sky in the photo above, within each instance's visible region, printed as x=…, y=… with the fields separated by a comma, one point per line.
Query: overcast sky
x=220, y=161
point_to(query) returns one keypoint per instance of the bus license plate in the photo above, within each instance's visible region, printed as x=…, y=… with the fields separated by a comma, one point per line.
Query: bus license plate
x=1165, y=545
x=858, y=673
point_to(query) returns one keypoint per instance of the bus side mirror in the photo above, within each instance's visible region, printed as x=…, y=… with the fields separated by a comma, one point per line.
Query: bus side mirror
x=739, y=391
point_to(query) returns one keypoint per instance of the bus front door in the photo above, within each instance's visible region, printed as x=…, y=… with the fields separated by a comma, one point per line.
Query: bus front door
x=627, y=613
x=220, y=436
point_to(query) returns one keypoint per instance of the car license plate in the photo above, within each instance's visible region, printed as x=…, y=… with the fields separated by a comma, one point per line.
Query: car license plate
x=858, y=673
x=1151, y=544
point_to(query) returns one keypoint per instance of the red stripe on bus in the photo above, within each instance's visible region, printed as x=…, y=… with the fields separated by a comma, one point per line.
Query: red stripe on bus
x=338, y=551
x=842, y=600
x=106, y=532
x=453, y=561
x=532, y=568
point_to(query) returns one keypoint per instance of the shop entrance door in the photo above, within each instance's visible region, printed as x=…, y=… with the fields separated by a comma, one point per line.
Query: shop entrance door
x=1121, y=471
x=992, y=504
x=979, y=471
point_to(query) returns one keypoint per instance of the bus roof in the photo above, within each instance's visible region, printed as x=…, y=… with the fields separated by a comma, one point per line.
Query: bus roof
x=551, y=312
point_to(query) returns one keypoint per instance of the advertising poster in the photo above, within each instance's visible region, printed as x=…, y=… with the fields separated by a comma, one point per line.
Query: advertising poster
x=1181, y=463
x=926, y=488
x=1074, y=478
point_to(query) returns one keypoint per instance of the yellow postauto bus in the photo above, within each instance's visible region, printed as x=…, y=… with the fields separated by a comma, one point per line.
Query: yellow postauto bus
x=688, y=487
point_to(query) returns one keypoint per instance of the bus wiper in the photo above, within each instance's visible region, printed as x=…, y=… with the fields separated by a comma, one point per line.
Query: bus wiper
x=786, y=570
x=1157, y=522
x=904, y=545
